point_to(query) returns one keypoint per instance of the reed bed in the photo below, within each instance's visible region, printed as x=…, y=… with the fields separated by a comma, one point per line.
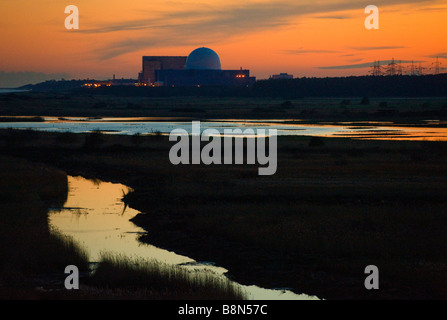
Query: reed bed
x=162, y=280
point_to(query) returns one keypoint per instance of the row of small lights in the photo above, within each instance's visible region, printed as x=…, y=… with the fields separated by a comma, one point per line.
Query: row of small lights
x=96, y=85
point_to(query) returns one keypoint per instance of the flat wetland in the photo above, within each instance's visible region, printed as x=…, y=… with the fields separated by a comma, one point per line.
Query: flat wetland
x=334, y=206
x=93, y=104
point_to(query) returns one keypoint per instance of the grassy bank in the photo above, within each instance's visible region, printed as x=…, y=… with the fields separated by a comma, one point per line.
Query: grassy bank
x=139, y=278
x=33, y=257
x=30, y=253
x=333, y=207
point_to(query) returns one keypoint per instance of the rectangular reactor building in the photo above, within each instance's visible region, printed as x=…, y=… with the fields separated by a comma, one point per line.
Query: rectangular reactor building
x=152, y=63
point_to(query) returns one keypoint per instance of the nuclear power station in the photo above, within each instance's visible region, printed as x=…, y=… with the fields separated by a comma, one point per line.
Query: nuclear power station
x=201, y=68
x=153, y=63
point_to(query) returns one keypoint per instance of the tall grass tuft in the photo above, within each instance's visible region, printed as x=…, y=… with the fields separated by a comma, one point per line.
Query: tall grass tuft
x=94, y=140
x=137, y=139
x=162, y=280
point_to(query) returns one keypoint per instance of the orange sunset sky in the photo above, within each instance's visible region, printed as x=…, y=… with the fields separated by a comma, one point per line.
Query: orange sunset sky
x=301, y=37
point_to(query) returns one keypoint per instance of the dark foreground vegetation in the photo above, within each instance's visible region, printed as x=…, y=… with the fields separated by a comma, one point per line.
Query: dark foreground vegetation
x=30, y=254
x=33, y=257
x=96, y=103
x=333, y=207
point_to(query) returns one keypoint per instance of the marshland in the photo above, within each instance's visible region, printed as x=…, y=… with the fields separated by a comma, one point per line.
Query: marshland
x=334, y=205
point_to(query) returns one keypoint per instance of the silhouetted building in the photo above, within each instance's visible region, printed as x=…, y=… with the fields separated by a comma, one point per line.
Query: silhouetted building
x=122, y=82
x=153, y=63
x=281, y=76
x=198, y=77
x=201, y=68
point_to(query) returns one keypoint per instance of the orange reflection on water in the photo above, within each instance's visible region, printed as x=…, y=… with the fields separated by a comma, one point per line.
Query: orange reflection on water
x=398, y=133
x=96, y=218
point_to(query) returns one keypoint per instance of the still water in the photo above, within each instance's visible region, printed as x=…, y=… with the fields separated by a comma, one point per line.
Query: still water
x=433, y=130
x=96, y=218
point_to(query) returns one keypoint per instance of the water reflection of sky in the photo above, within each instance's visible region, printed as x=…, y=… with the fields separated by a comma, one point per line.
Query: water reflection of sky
x=130, y=126
x=96, y=218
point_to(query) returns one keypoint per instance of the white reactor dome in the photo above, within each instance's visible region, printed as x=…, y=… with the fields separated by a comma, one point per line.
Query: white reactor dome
x=203, y=59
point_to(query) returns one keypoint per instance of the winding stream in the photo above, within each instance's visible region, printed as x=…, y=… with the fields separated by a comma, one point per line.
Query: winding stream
x=96, y=218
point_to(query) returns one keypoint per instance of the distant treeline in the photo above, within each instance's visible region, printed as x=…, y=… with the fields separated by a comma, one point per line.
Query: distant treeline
x=371, y=86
